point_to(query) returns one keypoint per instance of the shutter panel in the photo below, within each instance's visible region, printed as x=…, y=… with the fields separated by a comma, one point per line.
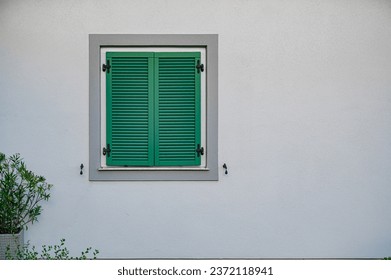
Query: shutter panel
x=129, y=101
x=177, y=109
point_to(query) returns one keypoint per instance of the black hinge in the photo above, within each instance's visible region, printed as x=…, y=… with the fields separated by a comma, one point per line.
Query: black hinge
x=199, y=150
x=106, y=66
x=107, y=150
x=199, y=67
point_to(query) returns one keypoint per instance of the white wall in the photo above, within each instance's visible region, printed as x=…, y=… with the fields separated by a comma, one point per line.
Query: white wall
x=304, y=127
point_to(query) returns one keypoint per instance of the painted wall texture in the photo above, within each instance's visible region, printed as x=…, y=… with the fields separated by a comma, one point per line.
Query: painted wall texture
x=304, y=127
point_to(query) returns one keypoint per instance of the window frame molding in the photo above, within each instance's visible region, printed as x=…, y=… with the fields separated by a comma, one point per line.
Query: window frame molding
x=207, y=41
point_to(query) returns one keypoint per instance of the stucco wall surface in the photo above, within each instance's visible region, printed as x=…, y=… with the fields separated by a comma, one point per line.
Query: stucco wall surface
x=304, y=127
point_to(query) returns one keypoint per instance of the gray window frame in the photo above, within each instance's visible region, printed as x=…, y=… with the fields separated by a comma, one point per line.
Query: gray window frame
x=207, y=41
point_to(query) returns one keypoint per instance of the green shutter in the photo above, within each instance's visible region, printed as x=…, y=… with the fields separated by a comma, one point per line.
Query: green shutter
x=129, y=89
x=153, y=109
x=177, y=109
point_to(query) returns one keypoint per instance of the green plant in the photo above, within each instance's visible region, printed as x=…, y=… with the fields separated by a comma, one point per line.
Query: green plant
x=21, y=191
x=50, y=252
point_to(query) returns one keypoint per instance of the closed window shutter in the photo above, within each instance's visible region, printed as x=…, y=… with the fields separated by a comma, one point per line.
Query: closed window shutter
x=130, y=93
x=177, y=109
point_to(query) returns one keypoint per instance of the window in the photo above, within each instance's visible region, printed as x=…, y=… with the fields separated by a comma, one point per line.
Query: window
x=154, y=115
x=153, y=107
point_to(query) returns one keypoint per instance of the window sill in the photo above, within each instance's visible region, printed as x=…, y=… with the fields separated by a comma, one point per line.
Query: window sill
x=177, y=173
x=153, y=169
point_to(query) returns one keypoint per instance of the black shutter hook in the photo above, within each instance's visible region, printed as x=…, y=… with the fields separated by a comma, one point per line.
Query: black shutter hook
x=226, y=168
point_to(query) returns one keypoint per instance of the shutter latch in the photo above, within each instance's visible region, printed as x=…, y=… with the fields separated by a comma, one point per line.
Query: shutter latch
x=199, y=150
x=107, y=150
x=106, y=66
x=199, y=67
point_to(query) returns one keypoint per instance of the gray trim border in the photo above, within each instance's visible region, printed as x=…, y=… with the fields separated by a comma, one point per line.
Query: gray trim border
x=208, y=41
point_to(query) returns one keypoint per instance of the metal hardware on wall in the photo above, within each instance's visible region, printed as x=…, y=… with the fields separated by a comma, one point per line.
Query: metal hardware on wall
x=106, y=67
x=200, y=67
x=81, y=169
x=199, y=150
x=106, y=150
x=226, y=168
